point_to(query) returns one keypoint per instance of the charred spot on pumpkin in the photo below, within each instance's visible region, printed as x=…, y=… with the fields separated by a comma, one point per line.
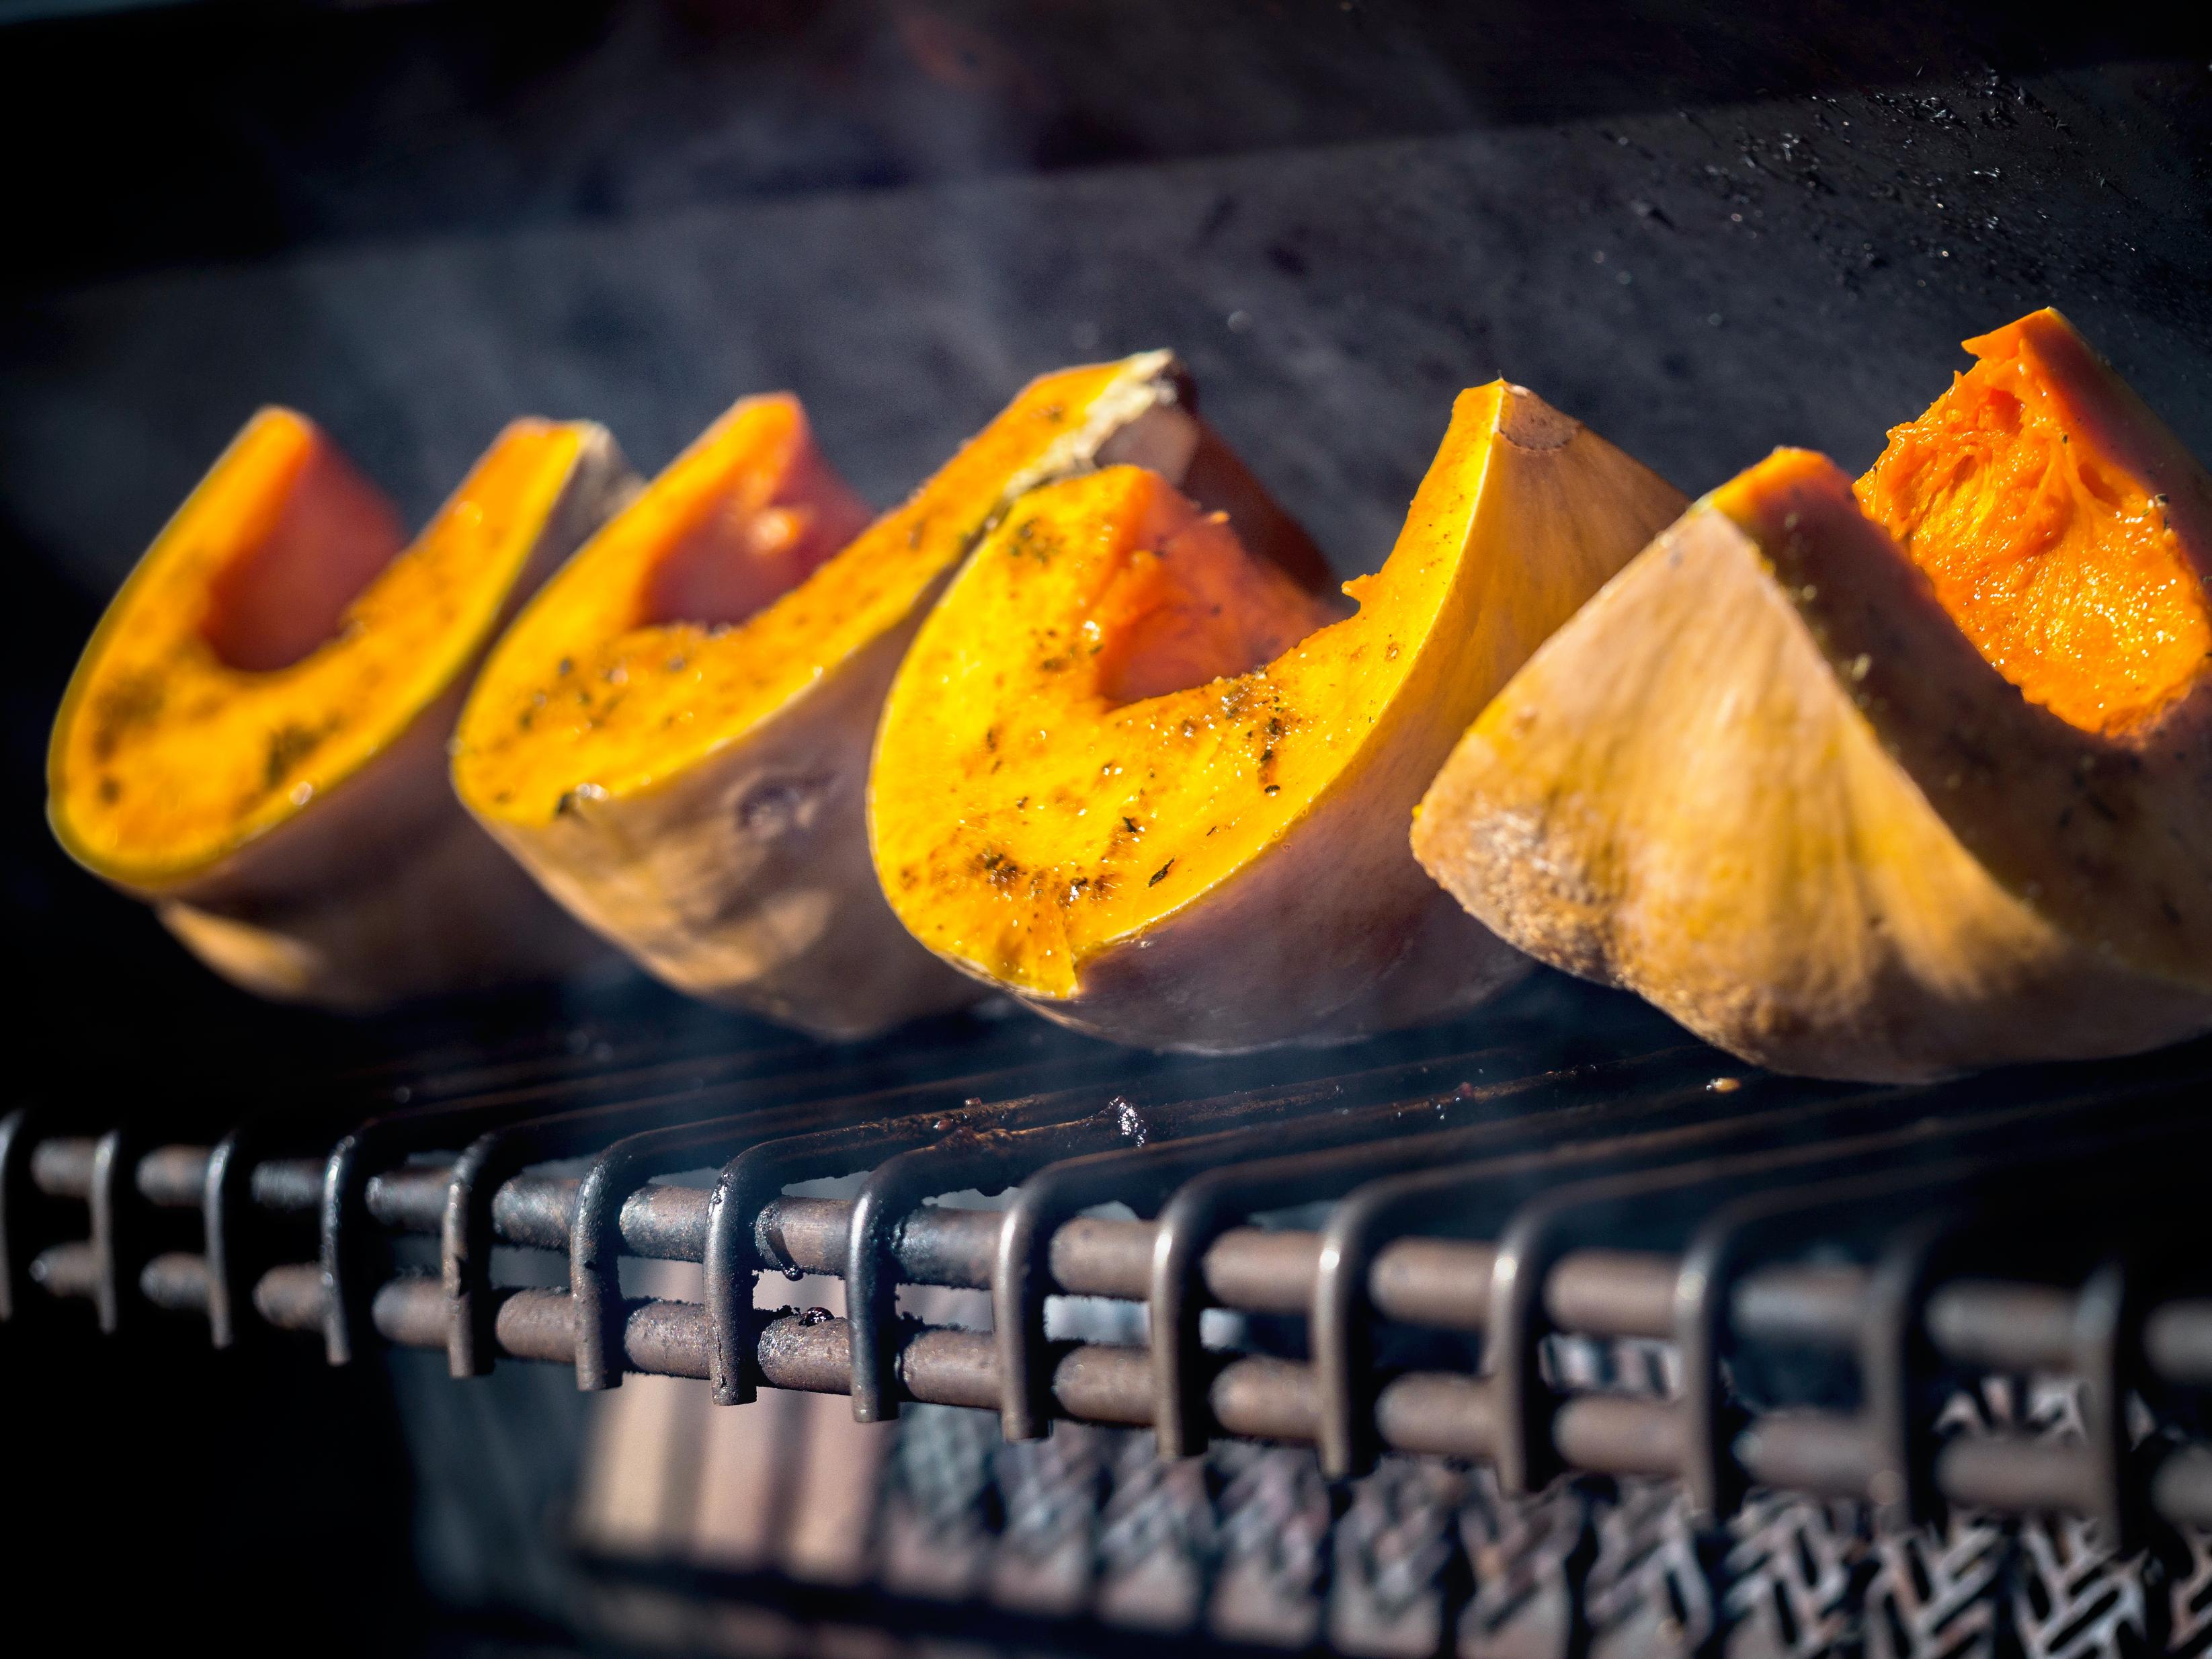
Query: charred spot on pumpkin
x=288, y=744
x=1033, y=540
x=130, y=701
x=110, y=790
x=1160, y=874
x=1001, y=872
x=571, y=800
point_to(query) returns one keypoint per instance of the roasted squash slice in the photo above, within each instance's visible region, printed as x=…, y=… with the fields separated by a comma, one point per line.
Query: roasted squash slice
x=255, y=738
x=673, y=739
x=1132, y=774
x=1883, y=783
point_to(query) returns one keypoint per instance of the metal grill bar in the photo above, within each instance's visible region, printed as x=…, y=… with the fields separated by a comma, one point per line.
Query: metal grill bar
x=1256, y=1398
x=1485, y=1192
x=1444, y=1284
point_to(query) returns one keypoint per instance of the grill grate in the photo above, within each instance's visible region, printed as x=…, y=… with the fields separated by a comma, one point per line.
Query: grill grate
x=1601, y=1336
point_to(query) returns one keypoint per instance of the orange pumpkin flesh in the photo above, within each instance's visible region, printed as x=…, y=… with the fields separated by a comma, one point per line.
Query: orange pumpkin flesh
x=1123, y=704
x=259, y=691
x=637, y=659
x=1188, y=603
x=2057, y=563
x=1139, y=778
x=1941, y=803
x=312, y=534
x=673, y=738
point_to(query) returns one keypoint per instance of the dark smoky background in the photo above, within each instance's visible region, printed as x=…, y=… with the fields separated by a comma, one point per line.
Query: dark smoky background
x=1705, y=230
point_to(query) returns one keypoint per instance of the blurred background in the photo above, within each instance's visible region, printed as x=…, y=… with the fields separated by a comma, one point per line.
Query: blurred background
x=1705, y=230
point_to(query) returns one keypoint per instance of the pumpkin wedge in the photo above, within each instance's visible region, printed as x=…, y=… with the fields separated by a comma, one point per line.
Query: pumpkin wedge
x=254, y=739
x=1131, y=774
x=1885, y=781
x=673, y=739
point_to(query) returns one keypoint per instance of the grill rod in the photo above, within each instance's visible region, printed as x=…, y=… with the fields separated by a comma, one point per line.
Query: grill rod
x=1439, y=1284
x=1436, y=1414
x=1599, y=1292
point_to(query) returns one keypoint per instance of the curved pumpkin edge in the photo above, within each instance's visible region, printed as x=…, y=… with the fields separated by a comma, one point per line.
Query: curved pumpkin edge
x=1139, y=384
x=576, y=498
x=1469, y=437
x=544, y=597
x=1461, y=463
x=1498, y=421
x=116, y=612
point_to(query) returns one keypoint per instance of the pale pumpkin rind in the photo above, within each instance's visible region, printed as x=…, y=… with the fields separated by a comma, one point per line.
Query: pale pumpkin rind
x=1764, y=781
x=335, y=868
x=1224, y=867
x=732, y=861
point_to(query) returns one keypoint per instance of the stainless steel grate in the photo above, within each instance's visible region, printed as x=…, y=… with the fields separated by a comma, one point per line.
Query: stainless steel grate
x=1571, y=1333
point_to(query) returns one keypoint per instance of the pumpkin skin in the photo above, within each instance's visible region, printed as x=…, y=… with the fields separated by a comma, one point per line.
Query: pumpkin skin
x=254, y=739
x=1769, y=781
x=714, y=828
x=1090, y=822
